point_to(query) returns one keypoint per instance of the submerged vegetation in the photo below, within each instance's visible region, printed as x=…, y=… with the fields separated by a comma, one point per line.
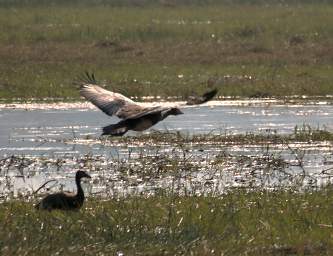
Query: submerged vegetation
x=166, y=48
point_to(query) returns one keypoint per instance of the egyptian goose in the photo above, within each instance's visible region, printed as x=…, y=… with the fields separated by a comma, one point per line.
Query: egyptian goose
x=134, y=116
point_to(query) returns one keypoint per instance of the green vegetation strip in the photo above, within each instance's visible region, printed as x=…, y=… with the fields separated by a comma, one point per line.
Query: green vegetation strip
x=246, y=49
x=301, y=133
x=239, y=223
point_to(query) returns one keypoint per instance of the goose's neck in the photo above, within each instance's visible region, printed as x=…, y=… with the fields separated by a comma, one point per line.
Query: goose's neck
x=80, y=194
x=166, y=114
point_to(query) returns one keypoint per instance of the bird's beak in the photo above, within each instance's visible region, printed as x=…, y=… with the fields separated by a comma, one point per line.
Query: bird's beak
x=88, y=176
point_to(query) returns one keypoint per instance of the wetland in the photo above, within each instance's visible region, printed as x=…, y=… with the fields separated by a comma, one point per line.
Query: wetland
x=247, y=174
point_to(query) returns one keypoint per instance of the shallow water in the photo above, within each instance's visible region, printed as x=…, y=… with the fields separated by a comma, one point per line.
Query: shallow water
x=40, y=131
x=46, y=142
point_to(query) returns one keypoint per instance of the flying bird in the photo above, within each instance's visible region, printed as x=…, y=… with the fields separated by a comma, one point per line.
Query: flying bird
x=65, y=201
x=134, y=116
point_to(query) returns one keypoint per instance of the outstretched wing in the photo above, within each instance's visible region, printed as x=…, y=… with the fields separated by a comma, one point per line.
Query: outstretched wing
x=195, y=100
x=111, y=103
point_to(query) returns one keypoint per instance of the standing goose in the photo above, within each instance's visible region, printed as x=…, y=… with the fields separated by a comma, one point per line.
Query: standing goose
x=134, y=116
x=65, y=201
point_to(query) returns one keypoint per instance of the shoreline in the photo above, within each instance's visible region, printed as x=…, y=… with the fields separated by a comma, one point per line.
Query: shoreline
x=33, y=104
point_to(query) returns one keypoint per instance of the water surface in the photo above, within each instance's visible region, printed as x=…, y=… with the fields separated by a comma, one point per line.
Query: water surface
x=23, y=131
x=46, y=142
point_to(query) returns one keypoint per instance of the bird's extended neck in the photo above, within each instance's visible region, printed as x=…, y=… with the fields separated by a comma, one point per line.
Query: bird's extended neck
x=166, y=114
x=80, y=194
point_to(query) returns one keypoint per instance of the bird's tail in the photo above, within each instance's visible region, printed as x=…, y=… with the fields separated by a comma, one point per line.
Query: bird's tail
x=118, y=129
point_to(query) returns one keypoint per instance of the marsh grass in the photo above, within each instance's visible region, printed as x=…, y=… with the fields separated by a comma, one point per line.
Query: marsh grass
x=302, y=133
x=181, y=164
x=252, y=220
x=248, y=49
x=240, y=222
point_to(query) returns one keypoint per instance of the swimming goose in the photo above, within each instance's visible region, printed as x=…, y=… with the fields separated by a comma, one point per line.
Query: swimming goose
x=65, y=201
x=134, y=116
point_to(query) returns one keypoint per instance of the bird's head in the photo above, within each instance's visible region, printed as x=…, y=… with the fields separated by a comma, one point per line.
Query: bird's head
x=82, y=174
x=175, y=111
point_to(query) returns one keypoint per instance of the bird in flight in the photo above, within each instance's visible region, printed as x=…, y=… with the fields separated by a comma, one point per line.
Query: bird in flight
x=134, y=115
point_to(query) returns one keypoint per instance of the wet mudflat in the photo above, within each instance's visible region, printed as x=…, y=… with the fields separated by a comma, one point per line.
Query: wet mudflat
x=209, y=150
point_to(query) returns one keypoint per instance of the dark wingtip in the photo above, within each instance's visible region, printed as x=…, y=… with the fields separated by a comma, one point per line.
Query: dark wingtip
x=86, y=78
x=209, y=95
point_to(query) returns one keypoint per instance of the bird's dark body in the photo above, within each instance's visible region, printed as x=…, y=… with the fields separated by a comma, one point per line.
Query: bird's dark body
x=60, y=201
x=144, y=122
x=139, y=124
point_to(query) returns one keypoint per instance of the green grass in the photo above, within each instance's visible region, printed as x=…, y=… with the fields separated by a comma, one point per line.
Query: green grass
x=302, y=133
x=286, y=49
x=238, y=223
